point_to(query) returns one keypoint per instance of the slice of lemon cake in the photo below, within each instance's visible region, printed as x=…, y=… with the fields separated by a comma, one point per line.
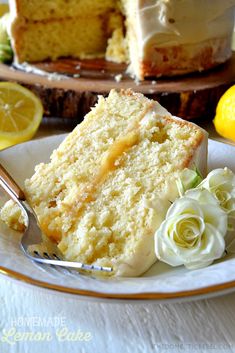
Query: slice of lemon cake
x=109, y=184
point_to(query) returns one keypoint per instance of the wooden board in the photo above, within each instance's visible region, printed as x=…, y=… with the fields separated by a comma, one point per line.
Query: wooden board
x=192, y=96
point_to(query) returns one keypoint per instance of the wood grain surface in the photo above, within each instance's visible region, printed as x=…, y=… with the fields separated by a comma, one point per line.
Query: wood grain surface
x=75, y=90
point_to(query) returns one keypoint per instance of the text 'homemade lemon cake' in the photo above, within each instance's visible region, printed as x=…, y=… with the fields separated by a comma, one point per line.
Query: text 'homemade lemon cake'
x=108, y=186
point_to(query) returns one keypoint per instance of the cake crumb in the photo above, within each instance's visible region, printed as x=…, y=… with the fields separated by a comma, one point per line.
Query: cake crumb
x=137, y=82
x=118, y=78
x=55, y=77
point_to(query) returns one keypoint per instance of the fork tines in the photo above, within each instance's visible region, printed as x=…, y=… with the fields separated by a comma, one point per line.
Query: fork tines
x=54, y=259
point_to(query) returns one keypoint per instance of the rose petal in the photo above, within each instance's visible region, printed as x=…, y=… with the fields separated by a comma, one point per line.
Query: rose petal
x=222, y=179
x=184, y=205
x=203, y=196
x=214, y=246
x=215, y=216
x=163, y=251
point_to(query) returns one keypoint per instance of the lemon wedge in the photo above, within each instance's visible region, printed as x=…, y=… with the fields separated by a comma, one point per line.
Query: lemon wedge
x=20, y=114
x=225, y=115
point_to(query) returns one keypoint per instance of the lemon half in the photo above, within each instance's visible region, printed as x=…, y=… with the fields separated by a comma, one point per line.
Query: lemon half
x=225, y=115
x=20, y=114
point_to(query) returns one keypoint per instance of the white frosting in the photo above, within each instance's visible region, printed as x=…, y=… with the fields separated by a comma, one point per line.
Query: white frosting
x=12, y=5
x=192, y=24
x=145, y=255
x=174, y=22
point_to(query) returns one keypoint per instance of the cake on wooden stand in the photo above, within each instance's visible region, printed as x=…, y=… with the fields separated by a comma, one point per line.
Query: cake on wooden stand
x=190, y=97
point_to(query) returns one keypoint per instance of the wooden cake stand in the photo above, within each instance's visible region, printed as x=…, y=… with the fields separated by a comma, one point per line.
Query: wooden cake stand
x=68, y=87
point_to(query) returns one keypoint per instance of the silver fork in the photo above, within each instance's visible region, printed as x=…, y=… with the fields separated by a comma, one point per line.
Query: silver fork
x=33, y=234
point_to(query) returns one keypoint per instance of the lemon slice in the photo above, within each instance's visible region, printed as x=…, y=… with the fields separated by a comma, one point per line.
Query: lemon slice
x=225, y=115
x=20, y=114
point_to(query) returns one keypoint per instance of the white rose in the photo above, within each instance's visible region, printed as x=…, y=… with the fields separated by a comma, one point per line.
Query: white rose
x=221, y=183
x=193, y=231
x=188, y=178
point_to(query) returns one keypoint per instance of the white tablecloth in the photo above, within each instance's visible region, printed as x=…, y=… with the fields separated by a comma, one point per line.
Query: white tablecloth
x=36, y=320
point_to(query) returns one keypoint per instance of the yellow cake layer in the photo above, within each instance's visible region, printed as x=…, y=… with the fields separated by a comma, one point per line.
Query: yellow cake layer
x=117, y=48
x=37, y=10
x=76, y=37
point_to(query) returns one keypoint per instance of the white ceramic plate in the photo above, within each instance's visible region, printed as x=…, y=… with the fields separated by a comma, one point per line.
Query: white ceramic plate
x=161, y=282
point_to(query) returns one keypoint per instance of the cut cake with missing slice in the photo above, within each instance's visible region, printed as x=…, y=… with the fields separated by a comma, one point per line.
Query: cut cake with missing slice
x=108, y=186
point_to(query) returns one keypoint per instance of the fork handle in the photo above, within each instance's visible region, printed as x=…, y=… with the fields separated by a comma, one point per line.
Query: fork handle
x=13, y=186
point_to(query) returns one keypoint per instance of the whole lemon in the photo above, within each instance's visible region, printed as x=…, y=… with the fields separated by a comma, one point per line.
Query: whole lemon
x=225, y=114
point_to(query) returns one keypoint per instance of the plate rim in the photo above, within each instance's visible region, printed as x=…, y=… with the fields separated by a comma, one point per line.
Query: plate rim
x=212, y=290
x=216, y=289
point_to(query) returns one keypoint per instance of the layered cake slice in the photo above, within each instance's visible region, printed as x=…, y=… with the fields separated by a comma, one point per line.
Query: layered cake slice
x=108, y=186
